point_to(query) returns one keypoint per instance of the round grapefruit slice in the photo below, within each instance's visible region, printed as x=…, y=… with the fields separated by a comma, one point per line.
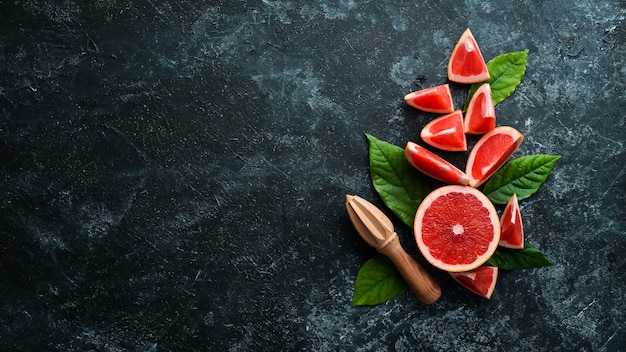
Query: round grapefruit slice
x=481, y=281
x=436, y=99
x=456, y=228
x=511, y=229
x=446, y=132
x=480, y=116
x=434, y=166
x=490, y=152
x=466, y=63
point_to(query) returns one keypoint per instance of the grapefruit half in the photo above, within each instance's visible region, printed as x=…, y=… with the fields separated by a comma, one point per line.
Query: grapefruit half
x=456, y=228
x=480, y=116
x=466, y=63
x=434, y=166
x=481, y=281
x=490, y=152
x=512, y=231
x=446, y=132
x=436, y=99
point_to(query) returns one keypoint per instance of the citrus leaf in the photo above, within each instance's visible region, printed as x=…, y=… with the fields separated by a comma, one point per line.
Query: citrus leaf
x=522, y=176
x=399, y=184
x=506, y=72
x=509, y=259
x=378, y=281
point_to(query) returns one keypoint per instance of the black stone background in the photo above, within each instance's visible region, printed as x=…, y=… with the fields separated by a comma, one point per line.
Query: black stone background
x=173, y=173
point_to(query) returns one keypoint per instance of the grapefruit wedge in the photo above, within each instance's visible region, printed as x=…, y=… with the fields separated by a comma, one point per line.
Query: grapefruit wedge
x=434, y=166
x=490, y=152
x=456, y=228
x=466, y=63
x=480, y=116
x=511, y=229
x=481, y=281
x=446, y=132
x=436, y=99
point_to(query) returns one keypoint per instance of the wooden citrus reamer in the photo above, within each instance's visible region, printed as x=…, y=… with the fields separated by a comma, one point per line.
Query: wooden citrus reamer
x=377, y=231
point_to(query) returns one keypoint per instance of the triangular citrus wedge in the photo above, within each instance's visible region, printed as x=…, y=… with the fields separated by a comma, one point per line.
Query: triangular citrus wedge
x=466, y=63
x=446, y=132
x=480, y=116
x=434, y=166
x=481, y=281
x=436, y=99
x=490, y=152
x=511, y=228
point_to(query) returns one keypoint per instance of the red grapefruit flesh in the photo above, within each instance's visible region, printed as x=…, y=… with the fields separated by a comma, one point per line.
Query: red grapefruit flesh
x=481, y=281
x=511, y=229
x=456, y=228
x=434, y=99
x=466, y=63
x=434, y=166
x=490, y=152
x=480, y=116
x=446, y=132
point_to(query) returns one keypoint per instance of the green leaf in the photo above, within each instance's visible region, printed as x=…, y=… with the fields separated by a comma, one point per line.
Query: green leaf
x=522, y=176
x=399, y=184
x=378, y=281
x=508, y=259
x=506, y=72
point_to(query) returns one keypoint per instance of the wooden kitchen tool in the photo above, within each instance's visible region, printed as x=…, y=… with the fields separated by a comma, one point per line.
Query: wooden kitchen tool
x=377, y=230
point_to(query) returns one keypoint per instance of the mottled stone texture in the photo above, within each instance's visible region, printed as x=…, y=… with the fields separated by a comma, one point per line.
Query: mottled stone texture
x=173, y=173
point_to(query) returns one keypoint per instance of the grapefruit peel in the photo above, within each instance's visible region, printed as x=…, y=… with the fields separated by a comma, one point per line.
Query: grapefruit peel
x=393, y=173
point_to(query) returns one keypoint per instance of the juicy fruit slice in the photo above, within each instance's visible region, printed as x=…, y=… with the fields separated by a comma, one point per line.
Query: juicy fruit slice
x=456, y=228
x=490, y=152
x=481, y=281
x=480, y=116
x=446, y=132
x=466, y=63
x=432, y=165
x=434, y=99
x=511, y=228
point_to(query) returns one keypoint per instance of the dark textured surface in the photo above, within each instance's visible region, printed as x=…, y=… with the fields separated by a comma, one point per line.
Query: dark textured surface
x=173, y=173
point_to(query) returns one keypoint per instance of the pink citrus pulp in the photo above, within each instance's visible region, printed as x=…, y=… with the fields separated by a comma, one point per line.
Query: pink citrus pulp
x=436, y=99
x=446, y=132
x=466, y=63
x=434, y=166
x=481, y=281
x=480, y=116
x=512, y=230
x=490, y=152
x=456, y=228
